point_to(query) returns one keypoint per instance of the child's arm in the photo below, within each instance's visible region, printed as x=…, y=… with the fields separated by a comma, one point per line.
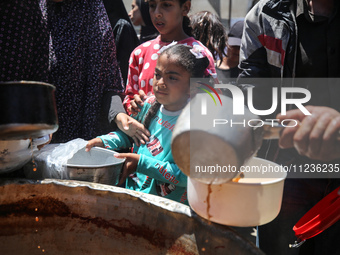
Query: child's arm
x=121, y=140
x=94, y=142
x=112, y=141
x=130, y=165
x=161, y=170
x=116, y=140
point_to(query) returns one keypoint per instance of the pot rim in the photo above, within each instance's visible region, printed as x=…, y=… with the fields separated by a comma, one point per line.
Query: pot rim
x=28, y=82
x=119, y=161
x=277, y=180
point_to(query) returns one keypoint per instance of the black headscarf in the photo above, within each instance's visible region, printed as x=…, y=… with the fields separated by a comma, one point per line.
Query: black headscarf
x=148, y=32
x=116, y=10
x=144, y=9
x=124, y=33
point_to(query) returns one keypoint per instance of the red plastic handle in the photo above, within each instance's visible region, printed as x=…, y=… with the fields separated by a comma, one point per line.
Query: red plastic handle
x=324, y=214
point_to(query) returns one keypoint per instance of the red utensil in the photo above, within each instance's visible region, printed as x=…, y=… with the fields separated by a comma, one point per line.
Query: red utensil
x=324, y=214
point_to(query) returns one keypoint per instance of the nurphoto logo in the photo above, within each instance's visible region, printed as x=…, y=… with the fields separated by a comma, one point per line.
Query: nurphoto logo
x=204, y=103
x=239, y=99
x=241, y=106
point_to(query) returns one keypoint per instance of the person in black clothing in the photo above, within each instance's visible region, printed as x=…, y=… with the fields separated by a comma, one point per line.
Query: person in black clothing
x=227, y=69
x=291, y=40
x=140, y=16
x=124, y=33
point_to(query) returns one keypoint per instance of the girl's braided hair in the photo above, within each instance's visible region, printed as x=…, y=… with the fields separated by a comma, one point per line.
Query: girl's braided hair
x=182, y=56
x=151, y=113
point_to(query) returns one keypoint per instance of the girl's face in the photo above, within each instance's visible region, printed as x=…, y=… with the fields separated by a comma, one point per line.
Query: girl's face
x=167, y=16
x=135, y=14
x=171, y=84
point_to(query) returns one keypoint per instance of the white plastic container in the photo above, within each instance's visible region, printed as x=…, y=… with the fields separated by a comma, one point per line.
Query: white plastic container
x=254, y=200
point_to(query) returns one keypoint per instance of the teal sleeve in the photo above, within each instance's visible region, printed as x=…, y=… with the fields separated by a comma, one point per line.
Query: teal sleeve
x=116, y=140
x=163, y=171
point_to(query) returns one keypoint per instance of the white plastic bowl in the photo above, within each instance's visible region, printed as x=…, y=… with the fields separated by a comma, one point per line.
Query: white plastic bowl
x=253, y=201
x=14, y=154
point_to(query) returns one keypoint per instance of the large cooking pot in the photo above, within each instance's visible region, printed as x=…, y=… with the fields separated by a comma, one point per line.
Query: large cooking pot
x=252, y=201
x=208, y=135
x=27, y=110
x=72, y=217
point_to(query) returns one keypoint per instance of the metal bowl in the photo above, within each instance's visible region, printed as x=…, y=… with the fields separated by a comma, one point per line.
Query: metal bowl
x=14, y=154
x=98, y=166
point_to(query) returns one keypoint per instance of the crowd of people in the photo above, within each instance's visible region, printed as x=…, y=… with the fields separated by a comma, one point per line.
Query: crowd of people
x=291, y=40
x=121, y=91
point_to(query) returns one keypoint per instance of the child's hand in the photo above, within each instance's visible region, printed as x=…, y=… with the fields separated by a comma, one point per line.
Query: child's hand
x=131, y=161
x=94, y=142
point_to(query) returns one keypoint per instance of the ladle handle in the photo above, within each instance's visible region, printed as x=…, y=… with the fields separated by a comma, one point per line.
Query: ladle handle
x=272, y=130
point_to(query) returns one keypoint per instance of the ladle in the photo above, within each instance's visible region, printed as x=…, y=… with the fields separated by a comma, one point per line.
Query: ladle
x=210, y=143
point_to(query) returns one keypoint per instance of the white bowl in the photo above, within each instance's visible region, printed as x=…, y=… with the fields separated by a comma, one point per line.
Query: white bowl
x=14, y=154
x=254, y=200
